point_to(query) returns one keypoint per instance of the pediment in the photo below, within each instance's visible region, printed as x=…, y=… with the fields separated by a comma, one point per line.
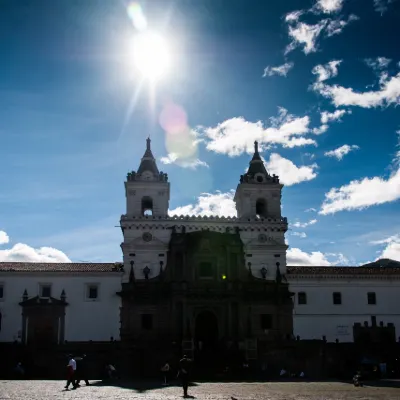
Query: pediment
x=38, y=301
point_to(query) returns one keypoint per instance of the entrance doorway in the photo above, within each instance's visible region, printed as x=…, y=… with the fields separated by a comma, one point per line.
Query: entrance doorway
x=207, y=343
x=206, y=333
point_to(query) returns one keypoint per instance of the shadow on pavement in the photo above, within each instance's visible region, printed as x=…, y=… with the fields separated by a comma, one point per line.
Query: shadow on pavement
x=139, y=387
x=384, y=383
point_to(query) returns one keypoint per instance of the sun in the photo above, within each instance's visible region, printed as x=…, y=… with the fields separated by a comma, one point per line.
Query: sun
x=151, y=55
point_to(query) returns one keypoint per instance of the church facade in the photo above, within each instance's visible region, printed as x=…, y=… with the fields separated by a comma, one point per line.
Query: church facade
x=211, y=283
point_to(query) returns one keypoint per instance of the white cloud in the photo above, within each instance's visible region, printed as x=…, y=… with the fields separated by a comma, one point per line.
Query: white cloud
x=334, y=116
x=335, y=27
x=172, y=158
x=326, y=71
x=312, y=209
x=378, y=63
x=321, y=129
x=392, y=249
x=4, y=239
x=329, y=6
x=297, y=257
x=298, y=224
x=301, y=235
x=390, y=239
x=219, y=203
x=361, y=194
x=236, y=136
x=305, y=35
x=341, y=151
x=23, y=253
x=328, y=117
x=289, y=174
x=387, y=94
x=294, y=16
x=381, y=6
x=281, y=70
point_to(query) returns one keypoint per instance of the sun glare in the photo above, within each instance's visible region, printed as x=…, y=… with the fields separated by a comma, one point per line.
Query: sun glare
x=151, y=55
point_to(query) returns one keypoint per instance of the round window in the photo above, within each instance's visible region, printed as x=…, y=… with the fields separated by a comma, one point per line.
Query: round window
x=259, y=179
x=147, y=237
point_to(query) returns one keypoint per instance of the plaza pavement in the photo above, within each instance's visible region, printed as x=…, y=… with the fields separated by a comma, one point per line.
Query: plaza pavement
x=54, y=390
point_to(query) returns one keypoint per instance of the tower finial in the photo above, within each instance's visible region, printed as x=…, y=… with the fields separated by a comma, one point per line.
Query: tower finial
x=256, y=147
x=148, y=141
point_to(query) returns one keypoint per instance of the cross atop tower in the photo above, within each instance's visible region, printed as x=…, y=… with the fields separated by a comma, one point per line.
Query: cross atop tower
x=255, y=147
x=148, y=142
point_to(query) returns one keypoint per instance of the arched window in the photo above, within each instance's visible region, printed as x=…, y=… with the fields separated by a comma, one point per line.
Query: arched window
x=261, y=208
x=147, y=206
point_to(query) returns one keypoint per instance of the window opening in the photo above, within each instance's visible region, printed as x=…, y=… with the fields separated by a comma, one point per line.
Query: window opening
x=45, y=291
x=93, y=292
x=147, y=206
x=266, y=321
x=302, y=298
x=261, y=208
x=206, y=270
x=337, y=298
x=371, y=298
x=147, y=321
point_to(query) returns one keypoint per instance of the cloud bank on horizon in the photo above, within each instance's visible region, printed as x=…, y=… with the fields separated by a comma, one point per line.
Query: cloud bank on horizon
x=20, y=252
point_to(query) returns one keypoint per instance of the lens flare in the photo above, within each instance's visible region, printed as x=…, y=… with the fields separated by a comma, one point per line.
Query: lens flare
x=137, y=16
x=180, y=141
x=173, y=119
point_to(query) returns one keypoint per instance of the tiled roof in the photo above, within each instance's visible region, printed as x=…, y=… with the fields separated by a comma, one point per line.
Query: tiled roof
x=58, y=267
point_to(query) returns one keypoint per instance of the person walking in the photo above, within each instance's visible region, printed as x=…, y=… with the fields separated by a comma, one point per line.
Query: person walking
x=165, y=370
x=71, y=369
x=184, y=374
x=81, y=370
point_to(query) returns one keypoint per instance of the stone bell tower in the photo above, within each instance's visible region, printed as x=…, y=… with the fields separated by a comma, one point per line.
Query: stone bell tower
x=258, y=193
x=258, y=203
x=145, y=244
x=147, y=190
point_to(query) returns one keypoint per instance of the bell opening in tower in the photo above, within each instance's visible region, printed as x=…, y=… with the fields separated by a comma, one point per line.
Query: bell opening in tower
x=147, y=206
x=261, y=208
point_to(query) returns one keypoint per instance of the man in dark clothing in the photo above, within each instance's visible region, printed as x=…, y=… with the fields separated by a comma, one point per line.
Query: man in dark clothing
x=184, y=370
x=81, y=370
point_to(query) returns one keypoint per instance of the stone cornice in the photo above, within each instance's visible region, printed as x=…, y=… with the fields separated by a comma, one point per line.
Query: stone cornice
x=214, y=223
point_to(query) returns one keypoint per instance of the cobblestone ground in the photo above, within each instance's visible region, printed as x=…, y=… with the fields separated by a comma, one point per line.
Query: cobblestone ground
x=52, y=390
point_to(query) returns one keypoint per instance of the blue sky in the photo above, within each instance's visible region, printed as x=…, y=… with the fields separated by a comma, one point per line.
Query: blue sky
x=304, y=78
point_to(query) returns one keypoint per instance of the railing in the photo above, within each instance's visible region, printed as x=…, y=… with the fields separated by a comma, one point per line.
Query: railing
x=196, y=218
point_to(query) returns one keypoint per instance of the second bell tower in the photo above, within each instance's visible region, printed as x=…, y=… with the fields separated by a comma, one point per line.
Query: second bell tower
x=258, y=194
